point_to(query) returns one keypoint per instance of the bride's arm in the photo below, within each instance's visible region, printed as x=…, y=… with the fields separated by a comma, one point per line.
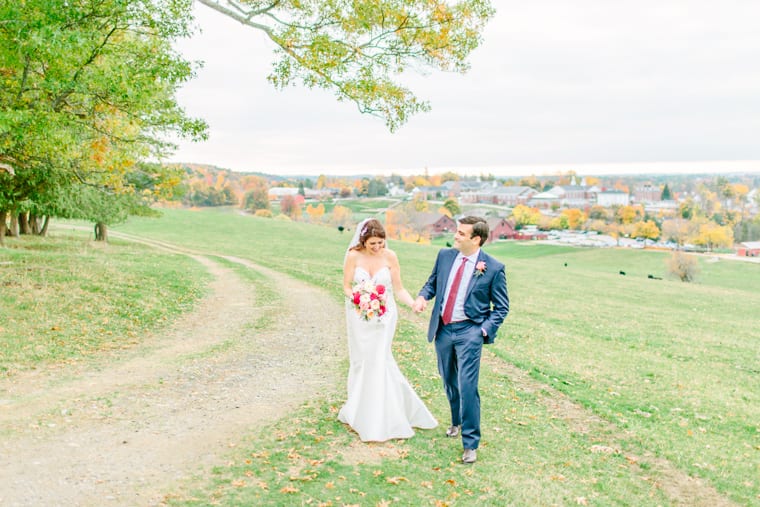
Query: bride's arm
x=348, y=274
x=398, y=288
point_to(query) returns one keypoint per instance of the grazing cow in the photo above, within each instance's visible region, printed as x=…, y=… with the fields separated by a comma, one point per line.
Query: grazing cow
x=622, y=273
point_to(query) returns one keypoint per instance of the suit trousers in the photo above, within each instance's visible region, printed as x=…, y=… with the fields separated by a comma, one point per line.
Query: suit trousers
x=459, y=346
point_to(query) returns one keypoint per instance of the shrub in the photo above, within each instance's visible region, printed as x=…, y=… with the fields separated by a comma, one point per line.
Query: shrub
x=684, y=266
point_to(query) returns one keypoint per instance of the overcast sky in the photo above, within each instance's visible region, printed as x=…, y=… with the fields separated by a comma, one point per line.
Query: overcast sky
x=597, y=86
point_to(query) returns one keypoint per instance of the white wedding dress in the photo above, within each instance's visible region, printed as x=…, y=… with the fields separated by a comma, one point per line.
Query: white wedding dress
x=381, y=404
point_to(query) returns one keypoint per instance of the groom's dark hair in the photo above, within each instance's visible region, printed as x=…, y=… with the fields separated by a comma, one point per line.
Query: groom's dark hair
x=479, y=227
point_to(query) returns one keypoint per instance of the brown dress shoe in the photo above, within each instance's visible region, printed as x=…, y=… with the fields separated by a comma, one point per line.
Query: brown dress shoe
x=470, y=456
x=453, y=431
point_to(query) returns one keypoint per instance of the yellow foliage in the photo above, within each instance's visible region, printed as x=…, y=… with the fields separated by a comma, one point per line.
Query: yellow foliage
x=713, y=235
x=628, y=214
x=315, y=212
x=341, y=215
x=575, y=218
x=525, y=215
x=646, y=229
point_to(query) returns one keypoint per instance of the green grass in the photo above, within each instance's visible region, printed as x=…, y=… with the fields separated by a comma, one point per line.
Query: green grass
x=672, y=368
x=657, y=370
x=66, y=298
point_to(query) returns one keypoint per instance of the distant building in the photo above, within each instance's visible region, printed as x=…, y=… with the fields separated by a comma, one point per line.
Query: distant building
x=430, y=193
x=499, y=228
x=436, y=224
x=280, y=192
x=547, y=199
x=748, y=249
x=497, y=194
x=609, y=198
x=647, y=193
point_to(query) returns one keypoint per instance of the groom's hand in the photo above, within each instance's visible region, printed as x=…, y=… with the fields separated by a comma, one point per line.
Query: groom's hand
x=419, y=304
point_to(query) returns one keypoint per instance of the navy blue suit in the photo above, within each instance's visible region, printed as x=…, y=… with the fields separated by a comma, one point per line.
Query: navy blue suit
x=458, y=345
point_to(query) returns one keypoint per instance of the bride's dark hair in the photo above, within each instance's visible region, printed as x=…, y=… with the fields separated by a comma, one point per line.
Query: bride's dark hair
x=371, y=229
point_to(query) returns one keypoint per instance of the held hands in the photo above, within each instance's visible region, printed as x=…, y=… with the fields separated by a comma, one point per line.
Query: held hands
x=419, y=305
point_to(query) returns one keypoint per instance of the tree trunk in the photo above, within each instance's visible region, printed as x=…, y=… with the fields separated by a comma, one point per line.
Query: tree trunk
x=34, y=224
x=13, y=229
x=44, y=229
x=3, y=218
x=23, y=224
x=101, y=232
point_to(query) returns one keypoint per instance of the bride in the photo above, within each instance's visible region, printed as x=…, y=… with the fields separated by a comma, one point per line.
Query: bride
x=381, y=404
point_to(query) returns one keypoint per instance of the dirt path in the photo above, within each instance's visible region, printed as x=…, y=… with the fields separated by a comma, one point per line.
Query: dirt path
x=124, y=431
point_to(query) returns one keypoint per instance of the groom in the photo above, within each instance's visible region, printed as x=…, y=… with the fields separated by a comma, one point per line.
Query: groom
x=470, y=289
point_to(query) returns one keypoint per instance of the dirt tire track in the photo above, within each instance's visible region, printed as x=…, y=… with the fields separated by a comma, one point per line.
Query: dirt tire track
x=126, y=431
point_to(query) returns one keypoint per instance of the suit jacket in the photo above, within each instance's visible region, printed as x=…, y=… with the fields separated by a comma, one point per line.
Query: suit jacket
x=486, y=300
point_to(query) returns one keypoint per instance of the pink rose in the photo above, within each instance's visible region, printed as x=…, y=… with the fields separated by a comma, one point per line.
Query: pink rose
x=380, y=289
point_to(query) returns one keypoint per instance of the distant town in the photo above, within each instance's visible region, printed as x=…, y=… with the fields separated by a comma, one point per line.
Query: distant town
x=683, y=212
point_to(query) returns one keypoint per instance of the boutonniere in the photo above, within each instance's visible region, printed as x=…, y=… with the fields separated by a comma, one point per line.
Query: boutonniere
x=480, y=268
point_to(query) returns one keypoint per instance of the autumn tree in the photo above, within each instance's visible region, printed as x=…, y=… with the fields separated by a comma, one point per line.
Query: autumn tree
x=712, y=235
x=452, y=206
x=88, y=91
x=575, y=218
x=629, y=214
x=559, y=222
x=646, y=229
x=257, y=197
x=341, y=216
x=449, y=176
x=532, y=182
x=418, y=204
x=678, y=230
x=356, y=49
x=315, y=212
x=598, y=212
x=525, y=215
x=290, y=206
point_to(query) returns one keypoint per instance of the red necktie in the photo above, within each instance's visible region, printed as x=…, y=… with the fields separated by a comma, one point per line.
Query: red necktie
x=449, y=308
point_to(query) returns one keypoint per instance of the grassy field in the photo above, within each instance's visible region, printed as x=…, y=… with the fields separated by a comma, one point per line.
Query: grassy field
x=601, y=389
x=66, y=298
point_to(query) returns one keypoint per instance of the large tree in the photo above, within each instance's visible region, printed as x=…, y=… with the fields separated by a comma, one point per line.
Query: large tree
x=88, y=90
x=359, y=48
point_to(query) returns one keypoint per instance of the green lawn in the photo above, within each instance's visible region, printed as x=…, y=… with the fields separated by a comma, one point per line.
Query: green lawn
x=657, y=372
x=66, y=298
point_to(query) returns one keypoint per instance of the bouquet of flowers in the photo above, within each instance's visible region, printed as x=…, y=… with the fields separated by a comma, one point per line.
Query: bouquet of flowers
x=369, y=300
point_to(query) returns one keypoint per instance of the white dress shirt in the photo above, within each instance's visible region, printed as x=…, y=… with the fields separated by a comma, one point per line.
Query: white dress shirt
x=458, y=312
